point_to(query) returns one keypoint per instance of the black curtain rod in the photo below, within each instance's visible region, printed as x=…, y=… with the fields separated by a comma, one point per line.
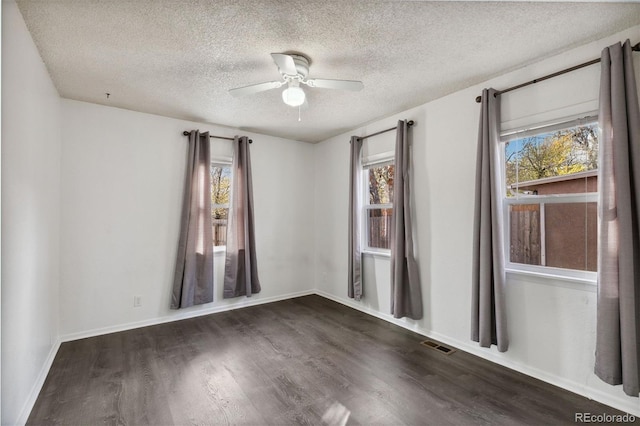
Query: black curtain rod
x=635, y=48
x=186, y=133
x=409, y=124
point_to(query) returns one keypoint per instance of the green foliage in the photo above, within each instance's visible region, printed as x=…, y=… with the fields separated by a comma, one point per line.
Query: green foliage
x=561, y=153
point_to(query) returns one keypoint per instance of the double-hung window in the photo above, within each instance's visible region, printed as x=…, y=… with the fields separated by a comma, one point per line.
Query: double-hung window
x=220, y=193
x=378, y=199
x=550, y=198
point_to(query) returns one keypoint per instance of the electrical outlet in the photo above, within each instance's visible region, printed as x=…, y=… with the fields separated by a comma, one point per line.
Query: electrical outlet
x=137, y=301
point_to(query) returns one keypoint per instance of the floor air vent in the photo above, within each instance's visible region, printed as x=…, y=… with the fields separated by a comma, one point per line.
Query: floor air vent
x=438, y=347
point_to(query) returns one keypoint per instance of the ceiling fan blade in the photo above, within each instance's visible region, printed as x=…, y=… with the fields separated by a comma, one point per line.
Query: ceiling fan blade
x=255, y=88
x=335, y=84
x=285, y=63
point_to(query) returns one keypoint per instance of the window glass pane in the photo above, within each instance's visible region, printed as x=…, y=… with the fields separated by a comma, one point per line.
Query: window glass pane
x=378, y=228
x=561, y=235
x=220, y=192
x=551, y=162
x=381, y=184
x=571, y=235
x=220, y=184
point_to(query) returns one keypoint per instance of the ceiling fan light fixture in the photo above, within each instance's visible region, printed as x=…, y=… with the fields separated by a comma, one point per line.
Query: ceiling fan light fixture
x=293, y=96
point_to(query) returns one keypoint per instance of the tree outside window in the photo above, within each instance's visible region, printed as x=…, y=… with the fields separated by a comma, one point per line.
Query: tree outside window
x=220, y=193
x=563, y=152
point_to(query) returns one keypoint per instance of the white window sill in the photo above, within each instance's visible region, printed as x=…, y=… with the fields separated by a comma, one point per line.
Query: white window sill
x=219, y=250
x=375, y=253
x=579, y=281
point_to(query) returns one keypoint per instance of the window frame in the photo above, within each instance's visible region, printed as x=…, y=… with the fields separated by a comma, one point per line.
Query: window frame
x=378, y=161
x=222, y=162
x=542, y=271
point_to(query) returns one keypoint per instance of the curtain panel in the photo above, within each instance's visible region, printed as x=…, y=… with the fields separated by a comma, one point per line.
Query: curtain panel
x=406, y=294
x=354, y=288
x=193, y=278
x=618, y=311
x=241, y=266
x=488, y=313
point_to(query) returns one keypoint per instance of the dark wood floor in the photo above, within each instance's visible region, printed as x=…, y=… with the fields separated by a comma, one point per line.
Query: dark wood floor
x=287, y=363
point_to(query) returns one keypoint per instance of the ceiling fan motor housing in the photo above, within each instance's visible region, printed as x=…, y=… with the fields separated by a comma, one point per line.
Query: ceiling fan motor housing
x=302, y=65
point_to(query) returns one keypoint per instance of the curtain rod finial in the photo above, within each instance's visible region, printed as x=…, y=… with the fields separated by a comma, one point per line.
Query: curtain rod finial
x=185, y=133
x=410, y=123
x=478, y=99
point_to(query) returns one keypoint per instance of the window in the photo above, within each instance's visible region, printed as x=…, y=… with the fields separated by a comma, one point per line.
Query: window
x=378, y=194
x=550, y=198
x=220, y=192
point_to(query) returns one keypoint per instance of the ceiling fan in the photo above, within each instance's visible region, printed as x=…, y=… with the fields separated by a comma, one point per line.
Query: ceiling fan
x=295, y=70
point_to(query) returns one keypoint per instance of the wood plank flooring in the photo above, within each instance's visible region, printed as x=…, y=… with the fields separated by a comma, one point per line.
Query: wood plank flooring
x=287, y=363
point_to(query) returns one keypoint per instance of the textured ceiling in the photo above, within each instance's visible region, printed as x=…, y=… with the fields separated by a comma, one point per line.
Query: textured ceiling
x=178, y=58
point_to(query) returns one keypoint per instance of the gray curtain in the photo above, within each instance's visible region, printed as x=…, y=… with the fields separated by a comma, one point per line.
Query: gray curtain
x=240, y=266
x=193, y=279
x=406, y=295
x=618, y=317
x=488, y=313
x=354, y=288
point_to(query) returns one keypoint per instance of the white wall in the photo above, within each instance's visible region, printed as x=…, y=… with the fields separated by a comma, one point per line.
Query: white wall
x=30, y=217
x=551, y=324
x=122, y=180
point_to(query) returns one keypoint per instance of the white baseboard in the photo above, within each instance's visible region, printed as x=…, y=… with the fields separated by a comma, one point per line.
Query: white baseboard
x=242, y=303
x=37, y=385
x=624, y=403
